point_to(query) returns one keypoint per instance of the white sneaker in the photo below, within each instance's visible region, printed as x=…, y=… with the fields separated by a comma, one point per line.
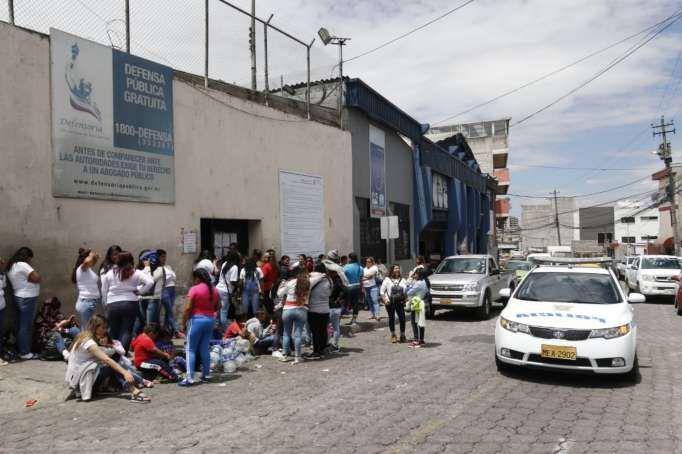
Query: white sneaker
x=285, y=359
x=3, y=362
x=277, y=354
x=27, y=356
x=297, y=360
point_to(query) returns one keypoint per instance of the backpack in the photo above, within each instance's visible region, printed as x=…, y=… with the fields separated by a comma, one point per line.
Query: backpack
x=398, y=295
x=50, y=351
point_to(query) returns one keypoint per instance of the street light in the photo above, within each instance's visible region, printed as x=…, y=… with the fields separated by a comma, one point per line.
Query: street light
x=328, y=38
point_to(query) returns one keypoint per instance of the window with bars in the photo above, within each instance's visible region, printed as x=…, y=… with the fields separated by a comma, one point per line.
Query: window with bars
x=402, y=244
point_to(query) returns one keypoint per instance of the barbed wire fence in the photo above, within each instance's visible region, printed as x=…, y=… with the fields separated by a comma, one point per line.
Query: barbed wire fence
x=204, y=37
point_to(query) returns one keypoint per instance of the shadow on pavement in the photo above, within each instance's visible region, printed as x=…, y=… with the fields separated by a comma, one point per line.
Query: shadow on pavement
x=571, y=379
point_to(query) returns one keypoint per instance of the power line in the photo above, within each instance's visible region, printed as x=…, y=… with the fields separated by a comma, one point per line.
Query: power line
x=600, y=73
x=603, y=169
x=608, y=202
x=526, y=196
x=556, y=71
x=414, y=30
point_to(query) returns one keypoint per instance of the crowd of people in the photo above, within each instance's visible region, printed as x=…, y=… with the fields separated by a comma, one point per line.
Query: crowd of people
x=118, y=339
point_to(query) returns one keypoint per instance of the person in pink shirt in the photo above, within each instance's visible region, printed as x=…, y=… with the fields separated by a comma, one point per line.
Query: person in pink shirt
x=198, y=319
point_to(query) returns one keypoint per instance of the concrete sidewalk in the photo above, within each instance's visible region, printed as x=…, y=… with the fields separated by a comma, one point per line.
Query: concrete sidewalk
x=44, y=380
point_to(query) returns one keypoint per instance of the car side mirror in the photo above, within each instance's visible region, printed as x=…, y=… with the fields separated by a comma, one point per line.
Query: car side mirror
x=636, y=298
x=505, y=292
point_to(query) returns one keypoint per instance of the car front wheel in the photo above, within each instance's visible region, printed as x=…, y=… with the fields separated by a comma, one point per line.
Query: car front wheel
x=485, y=309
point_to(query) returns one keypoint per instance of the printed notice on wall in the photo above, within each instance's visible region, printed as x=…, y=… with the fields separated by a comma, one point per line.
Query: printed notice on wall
x=112, y=123
x=301, y=206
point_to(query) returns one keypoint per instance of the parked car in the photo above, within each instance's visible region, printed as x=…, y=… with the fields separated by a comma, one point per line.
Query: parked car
x=519, y=267
x=623, y=265
x=471, y=281
x=651, y=275
x=567, y=317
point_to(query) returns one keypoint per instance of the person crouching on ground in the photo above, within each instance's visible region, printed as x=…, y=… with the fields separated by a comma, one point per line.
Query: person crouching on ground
x=393, y=294
x=416, y=294
x=198, y=319
x=89, y=366
x=148, y=359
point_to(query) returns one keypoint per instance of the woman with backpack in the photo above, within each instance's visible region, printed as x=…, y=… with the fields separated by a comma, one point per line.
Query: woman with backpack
x=26, y=285
x=87, y=283
x=250, y=278
x=121, y=287
x=394, y=295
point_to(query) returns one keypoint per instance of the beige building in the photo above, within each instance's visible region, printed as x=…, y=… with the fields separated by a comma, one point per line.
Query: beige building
x=229, y=152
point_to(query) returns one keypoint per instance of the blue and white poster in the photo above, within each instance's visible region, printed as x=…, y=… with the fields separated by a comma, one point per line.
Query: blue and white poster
x=377, y=172
x=112, y=123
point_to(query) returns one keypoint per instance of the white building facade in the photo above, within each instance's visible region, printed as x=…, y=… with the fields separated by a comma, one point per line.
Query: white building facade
x=635, y=227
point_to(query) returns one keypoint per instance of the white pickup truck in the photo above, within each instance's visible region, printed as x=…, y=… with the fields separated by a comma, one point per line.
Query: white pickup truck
x=472, y=281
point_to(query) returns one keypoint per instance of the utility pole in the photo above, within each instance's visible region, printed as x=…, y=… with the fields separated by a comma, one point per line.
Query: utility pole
x=252, y=45
x=556, y=218
x=127, y=14
x=665, y=153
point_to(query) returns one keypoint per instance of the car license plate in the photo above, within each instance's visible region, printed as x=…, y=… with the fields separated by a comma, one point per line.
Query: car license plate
x=445, y=301
x=558, y=352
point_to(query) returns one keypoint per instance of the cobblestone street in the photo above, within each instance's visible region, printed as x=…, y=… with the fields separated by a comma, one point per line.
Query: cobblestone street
x=379, y=397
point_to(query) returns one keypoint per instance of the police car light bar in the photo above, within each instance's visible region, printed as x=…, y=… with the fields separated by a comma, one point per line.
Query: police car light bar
x=572, y=260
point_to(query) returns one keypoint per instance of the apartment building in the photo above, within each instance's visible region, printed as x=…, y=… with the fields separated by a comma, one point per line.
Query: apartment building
x=636, y=226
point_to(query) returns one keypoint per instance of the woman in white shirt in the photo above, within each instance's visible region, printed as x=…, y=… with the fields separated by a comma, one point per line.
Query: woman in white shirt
x=3, y=284
x=227, y=281
x=87, y=283
x=394, y=295
x=167, y=292
x=369, y=285
x=122, y=285
x=206, y=262
x=26, y=285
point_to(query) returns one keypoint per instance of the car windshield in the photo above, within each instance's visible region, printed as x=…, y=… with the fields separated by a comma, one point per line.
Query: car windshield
x=587, y=288
x=513, y=266
x=463, y=265
x=657, y=263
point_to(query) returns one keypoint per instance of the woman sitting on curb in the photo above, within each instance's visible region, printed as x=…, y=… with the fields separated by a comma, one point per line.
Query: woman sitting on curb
x=90, y=367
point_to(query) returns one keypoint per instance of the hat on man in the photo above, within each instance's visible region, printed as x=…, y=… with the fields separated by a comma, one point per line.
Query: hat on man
x=333, y=255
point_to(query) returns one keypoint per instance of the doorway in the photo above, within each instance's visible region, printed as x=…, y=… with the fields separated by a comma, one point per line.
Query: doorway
x=218, y=234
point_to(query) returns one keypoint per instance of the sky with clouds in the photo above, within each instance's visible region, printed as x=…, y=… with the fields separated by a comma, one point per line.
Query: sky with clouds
x=472, y=55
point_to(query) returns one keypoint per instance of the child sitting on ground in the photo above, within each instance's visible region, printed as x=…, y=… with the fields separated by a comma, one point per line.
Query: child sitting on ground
x=237, y=329
x=148, y=359
x=269, y=338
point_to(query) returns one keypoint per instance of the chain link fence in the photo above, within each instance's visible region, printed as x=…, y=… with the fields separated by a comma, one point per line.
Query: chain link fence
x=172, y=33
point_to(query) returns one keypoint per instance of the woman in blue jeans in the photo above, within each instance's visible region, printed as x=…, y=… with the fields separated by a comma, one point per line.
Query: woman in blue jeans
x=198, y=319
x=370, y=287
x=251, y=277
x=87, y=282
x=296, y=290
x=26, y=285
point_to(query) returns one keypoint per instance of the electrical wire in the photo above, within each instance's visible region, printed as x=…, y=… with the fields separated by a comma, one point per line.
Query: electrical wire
x=526, y=196
x=602, y=169
x=556, y=71
x=600, y=72
x=414, y=30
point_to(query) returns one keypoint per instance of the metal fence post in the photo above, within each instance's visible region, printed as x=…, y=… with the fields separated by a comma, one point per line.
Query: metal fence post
x=127, y=8
x=206, y=44
x=10, y=7
x=307, y=89
x=265, y=54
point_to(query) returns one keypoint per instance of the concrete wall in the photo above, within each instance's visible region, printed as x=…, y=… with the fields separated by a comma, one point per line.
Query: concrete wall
x=638, y=229
x=226, y=166
x=595, y=220
x=537, y=223
x=398, y=168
